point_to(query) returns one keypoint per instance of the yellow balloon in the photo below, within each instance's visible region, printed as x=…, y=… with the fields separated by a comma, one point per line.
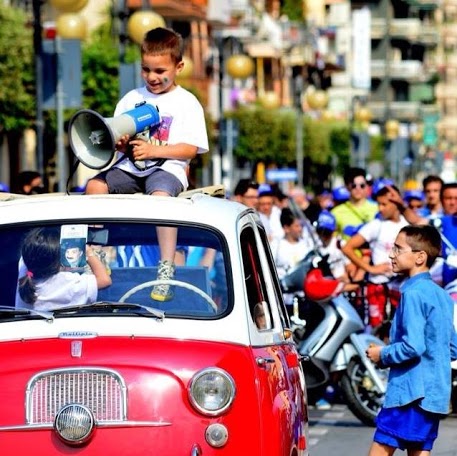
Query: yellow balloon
x=187, y=70
x=141, y=22
x=71, y=26
x=270, y=100
x=240, y=66
x=392, y=128
x=69, y=6
x=317, y=99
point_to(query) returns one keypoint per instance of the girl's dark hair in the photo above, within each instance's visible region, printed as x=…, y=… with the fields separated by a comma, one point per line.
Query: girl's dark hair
x=41, y=255
x=426, y=238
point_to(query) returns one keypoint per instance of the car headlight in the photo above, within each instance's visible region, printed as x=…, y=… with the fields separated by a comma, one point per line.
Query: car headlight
x=212, y=391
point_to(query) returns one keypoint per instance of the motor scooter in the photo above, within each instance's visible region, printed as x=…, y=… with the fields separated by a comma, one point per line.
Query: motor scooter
x=333, y=341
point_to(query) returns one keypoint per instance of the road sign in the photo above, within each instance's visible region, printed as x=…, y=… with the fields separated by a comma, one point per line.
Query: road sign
x=281, y=175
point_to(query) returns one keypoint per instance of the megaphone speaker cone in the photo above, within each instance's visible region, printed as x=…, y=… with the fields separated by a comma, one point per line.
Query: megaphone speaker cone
x=91, y=139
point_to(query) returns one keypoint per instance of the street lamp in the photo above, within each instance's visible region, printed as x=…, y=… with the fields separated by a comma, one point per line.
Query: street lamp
x=392, y=129
x=237, y=66
x=359, y=122
x=68, y=26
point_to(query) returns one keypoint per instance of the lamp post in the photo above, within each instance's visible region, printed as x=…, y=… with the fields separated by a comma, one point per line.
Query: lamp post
x=38, y=51
x=298, y=86
x=237, y=66
x=392, y=128
x=360, y=140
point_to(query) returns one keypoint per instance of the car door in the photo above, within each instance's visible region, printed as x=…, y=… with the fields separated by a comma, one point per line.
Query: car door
x=280, y=381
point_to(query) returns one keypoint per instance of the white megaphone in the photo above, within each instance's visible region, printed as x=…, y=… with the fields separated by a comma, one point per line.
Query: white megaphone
x=93, y=138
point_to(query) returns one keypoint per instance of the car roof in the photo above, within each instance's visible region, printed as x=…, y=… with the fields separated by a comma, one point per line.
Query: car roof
x=194, y=206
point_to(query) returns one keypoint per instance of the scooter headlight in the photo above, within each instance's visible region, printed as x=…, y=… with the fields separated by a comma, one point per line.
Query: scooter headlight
x=212, y=391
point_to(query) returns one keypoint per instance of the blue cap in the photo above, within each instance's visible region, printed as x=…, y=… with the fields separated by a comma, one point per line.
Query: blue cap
x=265, y=188
x=326, y=220
x=4, y=187
x=381, y=183
x=413, y=194
x=341, y=194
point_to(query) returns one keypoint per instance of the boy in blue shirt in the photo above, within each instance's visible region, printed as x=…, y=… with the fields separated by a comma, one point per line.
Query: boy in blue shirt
x=423, y=342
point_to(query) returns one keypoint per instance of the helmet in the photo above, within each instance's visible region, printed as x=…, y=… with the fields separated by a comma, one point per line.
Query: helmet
x=319, y=288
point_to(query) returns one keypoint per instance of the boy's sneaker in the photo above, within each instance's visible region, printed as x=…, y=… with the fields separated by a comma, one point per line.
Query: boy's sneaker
x=162, y=292
x=322, y=404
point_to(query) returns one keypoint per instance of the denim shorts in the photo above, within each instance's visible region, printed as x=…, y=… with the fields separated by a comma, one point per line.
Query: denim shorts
x=122, y=182
x=407, y=427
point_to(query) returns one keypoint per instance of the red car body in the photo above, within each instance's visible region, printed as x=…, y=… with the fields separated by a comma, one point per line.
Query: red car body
x=133, y=373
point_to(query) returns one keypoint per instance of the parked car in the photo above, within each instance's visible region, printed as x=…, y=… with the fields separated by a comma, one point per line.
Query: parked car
x=127, y=375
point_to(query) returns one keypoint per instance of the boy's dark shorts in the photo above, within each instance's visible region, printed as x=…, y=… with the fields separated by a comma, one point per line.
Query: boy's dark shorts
x=407, y=427
x=122, y=182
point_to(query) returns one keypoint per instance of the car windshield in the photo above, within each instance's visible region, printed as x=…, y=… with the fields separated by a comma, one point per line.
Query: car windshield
x=130, y=253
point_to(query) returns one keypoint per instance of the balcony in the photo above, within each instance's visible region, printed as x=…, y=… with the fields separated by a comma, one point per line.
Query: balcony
x=406, y=28
x=409, y=70
x=429, y=35
x=445, y=91
x=426, y=4
x=401, y=110
x=378, y=28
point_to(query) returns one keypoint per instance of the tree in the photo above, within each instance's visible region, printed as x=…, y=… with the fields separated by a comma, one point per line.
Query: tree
x=17, y=90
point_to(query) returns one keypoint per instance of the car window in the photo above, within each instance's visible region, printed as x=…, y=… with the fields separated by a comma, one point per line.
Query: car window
x=130, y=253
x=255, y=281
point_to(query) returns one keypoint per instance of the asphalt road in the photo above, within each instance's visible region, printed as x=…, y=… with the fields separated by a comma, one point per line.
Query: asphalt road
x=337, y=432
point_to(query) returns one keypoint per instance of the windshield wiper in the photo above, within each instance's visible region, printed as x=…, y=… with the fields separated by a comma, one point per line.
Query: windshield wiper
x=48, y=316
x=113, y=307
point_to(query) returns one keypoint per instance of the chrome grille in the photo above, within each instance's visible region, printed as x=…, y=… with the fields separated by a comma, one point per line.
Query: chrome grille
x=102, y=391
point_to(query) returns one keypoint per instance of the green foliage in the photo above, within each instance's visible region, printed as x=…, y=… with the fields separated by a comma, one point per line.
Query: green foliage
x=293, y=9
x=270, y=136
x=17, y=90
x=377, y=146
x=100, y=61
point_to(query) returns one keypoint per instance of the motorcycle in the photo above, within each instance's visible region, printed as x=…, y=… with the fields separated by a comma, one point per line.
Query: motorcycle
x=331, y=339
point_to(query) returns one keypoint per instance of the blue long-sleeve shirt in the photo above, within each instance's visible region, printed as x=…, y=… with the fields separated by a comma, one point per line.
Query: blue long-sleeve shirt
x=423, y=342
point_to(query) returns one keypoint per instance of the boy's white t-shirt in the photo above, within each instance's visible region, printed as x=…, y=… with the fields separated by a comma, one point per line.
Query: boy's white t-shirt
x=381, y=235
x=182, y=121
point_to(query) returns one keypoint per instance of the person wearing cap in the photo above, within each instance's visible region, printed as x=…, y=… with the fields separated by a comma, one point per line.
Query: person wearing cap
x=340, y=195
x=330, y=245
x=414, y=199
x=380, y=235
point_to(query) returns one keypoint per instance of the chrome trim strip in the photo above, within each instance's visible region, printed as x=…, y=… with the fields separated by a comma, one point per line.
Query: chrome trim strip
x=120, y=424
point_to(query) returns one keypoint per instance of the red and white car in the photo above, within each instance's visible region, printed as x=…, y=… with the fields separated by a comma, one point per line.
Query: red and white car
x=127, y=375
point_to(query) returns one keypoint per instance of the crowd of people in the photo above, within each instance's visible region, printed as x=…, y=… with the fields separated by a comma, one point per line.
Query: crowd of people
x=356, y=226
